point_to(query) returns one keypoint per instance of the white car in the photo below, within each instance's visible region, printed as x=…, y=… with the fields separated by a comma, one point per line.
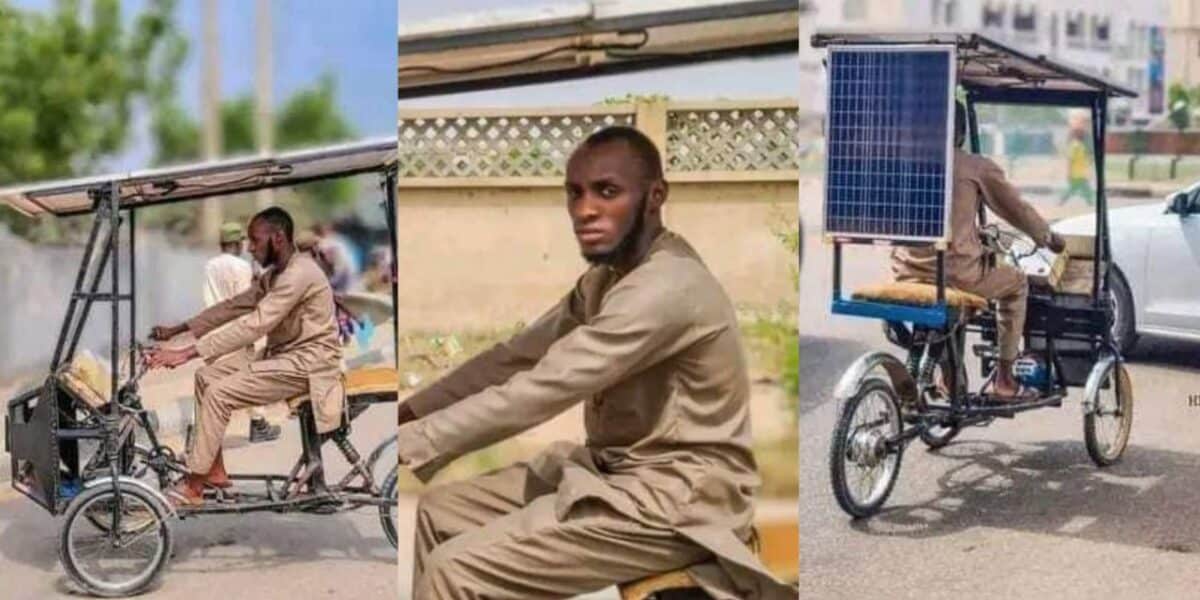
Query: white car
x=1156, y=249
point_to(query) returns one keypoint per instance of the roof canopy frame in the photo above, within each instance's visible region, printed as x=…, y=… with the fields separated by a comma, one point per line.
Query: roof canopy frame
x=996, y=71
x=182, y=183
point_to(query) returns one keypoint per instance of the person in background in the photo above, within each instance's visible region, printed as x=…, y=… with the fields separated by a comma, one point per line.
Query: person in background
x=378, y=277
x=1079, y=168
x=336, y=252
x=225, y=276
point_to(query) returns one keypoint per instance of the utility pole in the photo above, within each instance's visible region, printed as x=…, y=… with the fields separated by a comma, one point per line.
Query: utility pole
x=264, y=129
x=210, y=90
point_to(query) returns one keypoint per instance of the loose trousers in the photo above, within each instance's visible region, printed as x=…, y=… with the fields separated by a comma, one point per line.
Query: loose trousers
x=232, y=383
x=498, y=536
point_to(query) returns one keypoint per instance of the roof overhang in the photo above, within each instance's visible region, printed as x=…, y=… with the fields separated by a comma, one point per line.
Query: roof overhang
x=496, y=49
x=995, y=72
x=203, y=180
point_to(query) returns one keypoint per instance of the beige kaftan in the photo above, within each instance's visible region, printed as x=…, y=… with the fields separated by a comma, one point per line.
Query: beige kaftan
x=666, y=476
x=978, y=180
x=293, y=307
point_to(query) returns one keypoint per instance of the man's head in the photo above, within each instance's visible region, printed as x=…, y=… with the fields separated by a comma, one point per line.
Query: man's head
x=232, y=237
x=960, y=123
x=615, y=192
x=271, y=236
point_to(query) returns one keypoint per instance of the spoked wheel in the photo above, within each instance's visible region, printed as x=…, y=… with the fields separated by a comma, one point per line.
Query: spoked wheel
x=863, y=468
x=115, y=563
x=387, y=514
x=1107, y=425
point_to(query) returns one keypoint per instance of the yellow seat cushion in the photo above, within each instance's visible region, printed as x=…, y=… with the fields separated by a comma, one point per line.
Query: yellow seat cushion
x=368, y=380
x=917, y=294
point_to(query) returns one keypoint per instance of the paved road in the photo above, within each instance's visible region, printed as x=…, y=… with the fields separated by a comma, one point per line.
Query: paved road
x=256, y=556
x=1015, y=510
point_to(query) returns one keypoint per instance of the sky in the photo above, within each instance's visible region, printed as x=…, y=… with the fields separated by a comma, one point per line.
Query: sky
x=355, y=40
x=773, y=77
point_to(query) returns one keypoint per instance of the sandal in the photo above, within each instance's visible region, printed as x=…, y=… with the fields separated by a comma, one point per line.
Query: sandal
x=179, y=495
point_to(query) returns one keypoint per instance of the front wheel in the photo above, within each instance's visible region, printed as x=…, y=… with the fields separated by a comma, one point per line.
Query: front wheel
x=863, y=464
x=116, y=563
x=1107, y=424
x=387, y=514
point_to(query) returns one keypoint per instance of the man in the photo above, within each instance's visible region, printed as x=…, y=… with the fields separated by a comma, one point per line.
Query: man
x=292, y=305
x=336, y=251
x=225, y=276
x=649, y=341
x=976, y=180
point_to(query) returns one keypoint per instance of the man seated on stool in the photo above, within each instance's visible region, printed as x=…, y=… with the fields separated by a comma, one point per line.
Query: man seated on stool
x=967, y=268
x=649, y=341
x=292, y=305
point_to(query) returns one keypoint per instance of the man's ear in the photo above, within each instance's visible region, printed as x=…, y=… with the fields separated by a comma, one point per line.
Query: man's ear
x=658, y=195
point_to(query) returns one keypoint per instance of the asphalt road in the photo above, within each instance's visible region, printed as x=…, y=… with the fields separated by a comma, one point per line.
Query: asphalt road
x=1014, y=510
x=254, y=556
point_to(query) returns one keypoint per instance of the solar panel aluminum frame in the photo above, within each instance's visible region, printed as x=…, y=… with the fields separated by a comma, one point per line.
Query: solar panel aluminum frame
x=952, y=82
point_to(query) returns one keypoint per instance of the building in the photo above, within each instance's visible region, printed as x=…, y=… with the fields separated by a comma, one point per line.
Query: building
x=1183, y=42
x=1119, y=40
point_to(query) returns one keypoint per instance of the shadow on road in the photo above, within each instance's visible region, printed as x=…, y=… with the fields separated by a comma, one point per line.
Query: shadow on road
x=1052, y=488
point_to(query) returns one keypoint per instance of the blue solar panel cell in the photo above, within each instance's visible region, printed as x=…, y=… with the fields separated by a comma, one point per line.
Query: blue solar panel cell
x=888, y=138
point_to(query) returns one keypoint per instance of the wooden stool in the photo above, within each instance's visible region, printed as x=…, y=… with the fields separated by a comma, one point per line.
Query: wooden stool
x=674, y=585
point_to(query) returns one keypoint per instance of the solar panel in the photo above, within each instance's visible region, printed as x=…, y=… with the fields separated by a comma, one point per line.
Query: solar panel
x=889, y=142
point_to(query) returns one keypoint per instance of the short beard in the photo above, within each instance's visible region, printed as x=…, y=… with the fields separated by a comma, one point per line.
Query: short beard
x=624, y=247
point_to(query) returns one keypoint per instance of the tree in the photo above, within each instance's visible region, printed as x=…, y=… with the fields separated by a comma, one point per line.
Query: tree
x=69, y=79
x=309, y=117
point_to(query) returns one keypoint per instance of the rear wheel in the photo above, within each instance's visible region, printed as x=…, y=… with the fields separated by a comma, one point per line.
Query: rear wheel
x=1107, y=425
x=387, y=514
x=863, y=465
x=1124, y=332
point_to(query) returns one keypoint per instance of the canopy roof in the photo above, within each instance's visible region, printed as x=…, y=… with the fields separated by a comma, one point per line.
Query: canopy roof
x=988, y=67
x=203, y=180
x=492, y=49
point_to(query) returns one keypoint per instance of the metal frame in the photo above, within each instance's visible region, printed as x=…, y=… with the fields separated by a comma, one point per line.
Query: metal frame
x=36, y=431
x=1093, y=95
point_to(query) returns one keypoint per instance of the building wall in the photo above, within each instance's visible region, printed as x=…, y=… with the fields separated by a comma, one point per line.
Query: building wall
x=1125, y=58
x=1183, y=42
x=485, y=258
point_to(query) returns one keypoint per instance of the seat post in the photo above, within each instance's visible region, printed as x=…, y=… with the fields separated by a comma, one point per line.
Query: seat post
x=310, y=445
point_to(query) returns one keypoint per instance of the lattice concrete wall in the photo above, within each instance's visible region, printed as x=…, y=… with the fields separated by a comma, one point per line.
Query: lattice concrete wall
x=711, y=137
x=732, y=139
x=495, y=145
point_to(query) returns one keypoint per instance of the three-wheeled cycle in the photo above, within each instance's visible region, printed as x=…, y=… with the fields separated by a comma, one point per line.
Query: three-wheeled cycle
x=95, y=455
x=889, y=182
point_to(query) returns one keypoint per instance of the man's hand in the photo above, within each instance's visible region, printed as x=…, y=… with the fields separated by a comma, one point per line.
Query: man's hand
x=169, y=357
x=1056, y=243
x=162, y=333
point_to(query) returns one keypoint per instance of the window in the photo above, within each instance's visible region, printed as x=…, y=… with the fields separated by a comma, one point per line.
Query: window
x=1074, y=26
x=951, y=12
x=1025, y=20
x=1100, y=30
x=993, y=15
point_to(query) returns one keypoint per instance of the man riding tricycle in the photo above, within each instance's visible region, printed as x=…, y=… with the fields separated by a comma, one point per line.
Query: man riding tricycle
x=92, y=452
x=897, y=176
